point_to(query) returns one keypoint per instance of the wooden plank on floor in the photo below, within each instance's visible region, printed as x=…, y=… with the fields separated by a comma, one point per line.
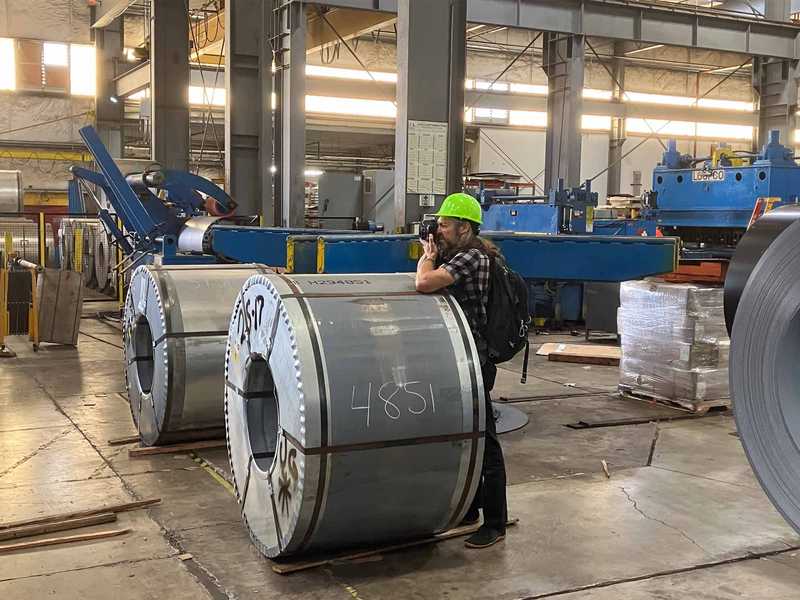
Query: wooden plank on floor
x=173, y=448
x=131, y=439
x=284, y=568
x=591, y=354
x=16, y=533
x=114, y=508
x=83, y=537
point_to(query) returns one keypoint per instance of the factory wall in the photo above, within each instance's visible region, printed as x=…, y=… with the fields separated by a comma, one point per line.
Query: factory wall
x=526, y=148
x=52, y=21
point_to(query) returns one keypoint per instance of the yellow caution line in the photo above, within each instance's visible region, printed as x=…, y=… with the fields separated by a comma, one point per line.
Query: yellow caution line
x=214, y=475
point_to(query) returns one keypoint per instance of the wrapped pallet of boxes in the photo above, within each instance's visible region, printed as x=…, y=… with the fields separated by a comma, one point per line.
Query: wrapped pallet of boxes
x=674, y=343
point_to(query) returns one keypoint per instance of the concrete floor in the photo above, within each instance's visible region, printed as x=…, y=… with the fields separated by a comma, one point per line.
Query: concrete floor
x=681, y=516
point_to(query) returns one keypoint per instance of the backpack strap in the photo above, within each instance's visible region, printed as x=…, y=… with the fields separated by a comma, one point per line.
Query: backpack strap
x=524, y=378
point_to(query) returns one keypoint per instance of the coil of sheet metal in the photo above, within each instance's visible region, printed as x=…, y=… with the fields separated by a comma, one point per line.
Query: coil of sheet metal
x=748, y=252
x=175, y=328
x=90, y=229
x=11, y=194
x=354, y=411
x=764, y=379
x=25, y=238
x=102, y=260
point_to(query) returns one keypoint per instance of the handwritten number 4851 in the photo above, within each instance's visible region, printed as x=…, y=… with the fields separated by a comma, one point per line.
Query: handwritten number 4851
x=390, y=394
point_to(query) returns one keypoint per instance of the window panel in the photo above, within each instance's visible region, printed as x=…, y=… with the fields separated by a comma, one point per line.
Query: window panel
x=83, y=70
x=8, y=68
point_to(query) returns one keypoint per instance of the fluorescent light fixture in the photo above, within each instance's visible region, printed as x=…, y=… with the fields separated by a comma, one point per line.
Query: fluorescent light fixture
x=313, y=172
x=273, y=169
x=113, y=99
x=55, y=55
x=355, y=74
x=644, y=49
x=82, y=70
x=716, y=131
x=382, y=109
x=475, y=28
x=8, y=75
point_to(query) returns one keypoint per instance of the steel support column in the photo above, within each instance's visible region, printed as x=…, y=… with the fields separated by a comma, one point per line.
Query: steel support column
x=616, y=138
x=564, y=64
x=110, y=113
x=431, y=63
x=775, y=82
x=248, y=109
x=169, y=83
x=290, y=84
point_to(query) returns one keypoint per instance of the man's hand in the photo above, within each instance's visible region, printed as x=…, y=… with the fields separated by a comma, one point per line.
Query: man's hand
x=430, y=249
x=429, y=278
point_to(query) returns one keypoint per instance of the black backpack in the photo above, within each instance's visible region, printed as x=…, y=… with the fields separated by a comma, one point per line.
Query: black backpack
x=507, y=315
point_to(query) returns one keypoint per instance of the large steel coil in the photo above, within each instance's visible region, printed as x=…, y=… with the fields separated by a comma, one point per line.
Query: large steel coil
x=749, y=251
x=354, y=411
x=174, y=335
x=11, y=194
x=764, y=379
x=90, y=229
x=25, y=239
x=102, y=260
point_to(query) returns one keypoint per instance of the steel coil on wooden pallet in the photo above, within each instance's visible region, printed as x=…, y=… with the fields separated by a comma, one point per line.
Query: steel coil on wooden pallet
x=765, y=345
x=354, y=411
x=174, y=333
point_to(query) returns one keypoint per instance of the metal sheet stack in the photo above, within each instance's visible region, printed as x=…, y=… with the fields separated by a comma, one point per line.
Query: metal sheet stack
x=674, y=341
x=25, y=238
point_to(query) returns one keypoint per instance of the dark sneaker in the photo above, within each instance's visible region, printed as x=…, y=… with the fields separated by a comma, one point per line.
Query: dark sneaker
x=484, y=537
x=471, y=518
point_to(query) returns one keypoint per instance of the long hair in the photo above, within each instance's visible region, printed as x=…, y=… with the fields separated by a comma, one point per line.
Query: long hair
x=471, y=240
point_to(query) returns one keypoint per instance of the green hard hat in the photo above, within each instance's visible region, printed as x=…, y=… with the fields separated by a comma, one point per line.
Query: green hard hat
x=461, y=206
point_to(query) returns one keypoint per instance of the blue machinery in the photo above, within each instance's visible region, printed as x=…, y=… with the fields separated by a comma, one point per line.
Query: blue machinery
x=709, y=206
x=164, y=219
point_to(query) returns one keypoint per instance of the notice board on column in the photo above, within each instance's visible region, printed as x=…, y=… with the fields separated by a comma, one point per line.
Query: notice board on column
x=427, y=158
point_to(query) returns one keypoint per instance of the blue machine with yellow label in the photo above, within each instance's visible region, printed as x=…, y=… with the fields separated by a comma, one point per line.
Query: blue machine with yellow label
x=708, y=202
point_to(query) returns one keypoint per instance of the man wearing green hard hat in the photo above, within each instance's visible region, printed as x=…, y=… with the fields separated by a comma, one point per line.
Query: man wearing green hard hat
x=456, y=258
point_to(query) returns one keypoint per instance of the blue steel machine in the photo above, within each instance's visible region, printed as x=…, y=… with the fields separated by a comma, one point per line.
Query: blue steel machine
x=709, y=206
x=174, y=231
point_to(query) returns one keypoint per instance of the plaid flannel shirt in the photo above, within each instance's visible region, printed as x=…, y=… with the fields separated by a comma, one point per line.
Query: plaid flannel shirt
x=470, y=269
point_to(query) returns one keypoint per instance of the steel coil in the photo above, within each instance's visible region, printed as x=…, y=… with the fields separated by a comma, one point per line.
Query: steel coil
x=354, y=411
x=174, y=333
x=749, y=251
x=764, y=378
x=25, y=239
x=102, y=260
x=90, y=230
x=11, y=194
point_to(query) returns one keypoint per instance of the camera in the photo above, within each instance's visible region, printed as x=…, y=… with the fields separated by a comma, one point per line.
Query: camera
x=428, y=227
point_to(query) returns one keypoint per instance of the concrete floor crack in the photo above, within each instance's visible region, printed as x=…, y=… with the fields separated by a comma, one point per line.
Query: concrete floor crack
x=686, y=536
x=30, y=455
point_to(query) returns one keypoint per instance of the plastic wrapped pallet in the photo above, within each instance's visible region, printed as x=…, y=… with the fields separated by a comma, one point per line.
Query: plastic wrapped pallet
x=674, y=342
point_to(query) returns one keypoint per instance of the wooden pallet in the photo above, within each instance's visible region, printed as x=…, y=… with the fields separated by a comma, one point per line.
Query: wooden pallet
x=699, y=407
x=285, y=567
